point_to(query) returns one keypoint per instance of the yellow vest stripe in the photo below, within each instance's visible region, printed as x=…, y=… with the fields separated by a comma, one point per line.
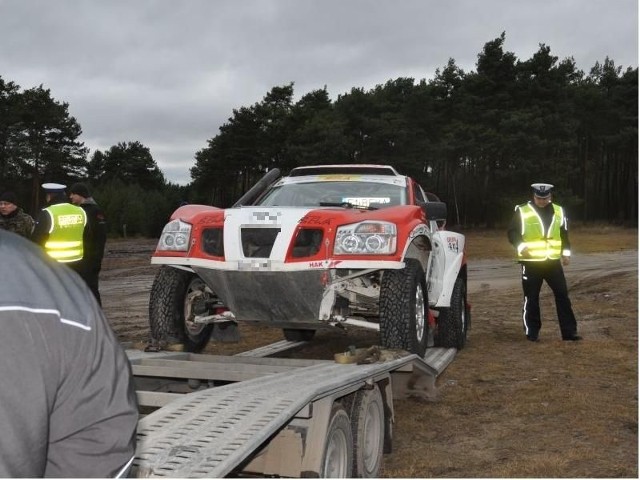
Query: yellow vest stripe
x=541, y=245
x=65, y=234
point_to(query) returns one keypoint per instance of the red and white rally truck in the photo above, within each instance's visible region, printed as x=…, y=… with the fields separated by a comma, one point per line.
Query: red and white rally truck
x=325, y=246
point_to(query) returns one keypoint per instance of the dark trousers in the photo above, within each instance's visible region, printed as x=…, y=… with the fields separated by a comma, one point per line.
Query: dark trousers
x=90, y=277
x=533, y=274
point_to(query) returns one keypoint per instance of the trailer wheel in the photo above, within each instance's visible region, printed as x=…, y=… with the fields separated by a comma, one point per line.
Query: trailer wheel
x=298, y=334
x=176, y=296
x=337, y=459
x=367, y=423
x=403, y=308
x=453, y=322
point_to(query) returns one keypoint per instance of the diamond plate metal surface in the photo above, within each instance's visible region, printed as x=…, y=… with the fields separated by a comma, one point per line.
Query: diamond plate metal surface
x=209, y=432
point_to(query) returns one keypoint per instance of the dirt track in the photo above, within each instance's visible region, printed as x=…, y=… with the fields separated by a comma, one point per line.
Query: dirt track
x=500, y=273
x=127, y=277
x=507, y=408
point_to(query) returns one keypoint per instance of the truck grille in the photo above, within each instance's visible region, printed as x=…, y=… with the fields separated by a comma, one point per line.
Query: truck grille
x=258, y=242
x=308, y=242
x=212, y=242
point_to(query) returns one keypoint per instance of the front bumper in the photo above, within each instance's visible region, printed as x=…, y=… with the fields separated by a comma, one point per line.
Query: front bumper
x=290, y=300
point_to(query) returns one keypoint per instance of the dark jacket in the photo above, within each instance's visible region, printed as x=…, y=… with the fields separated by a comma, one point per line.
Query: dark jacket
x=95, y=236
x=67, y=406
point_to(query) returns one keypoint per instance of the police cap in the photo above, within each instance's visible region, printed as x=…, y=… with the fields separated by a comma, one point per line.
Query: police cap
x=542, y=190
x=53, y=187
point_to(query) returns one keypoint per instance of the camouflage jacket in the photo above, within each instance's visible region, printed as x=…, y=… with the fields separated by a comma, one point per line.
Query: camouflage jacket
x=18, y=222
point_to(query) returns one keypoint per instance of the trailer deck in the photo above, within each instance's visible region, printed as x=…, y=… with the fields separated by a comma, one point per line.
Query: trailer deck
x=265, y=416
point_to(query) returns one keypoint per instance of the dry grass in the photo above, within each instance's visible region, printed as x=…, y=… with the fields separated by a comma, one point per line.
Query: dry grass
x=510, y=409
x=584, y=239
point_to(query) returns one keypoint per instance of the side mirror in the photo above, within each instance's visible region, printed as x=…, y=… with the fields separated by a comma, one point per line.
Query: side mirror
x=435, y=211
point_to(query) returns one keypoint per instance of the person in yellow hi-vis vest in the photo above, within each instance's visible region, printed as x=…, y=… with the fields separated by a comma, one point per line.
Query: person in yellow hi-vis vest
x=540, y=235
x=59, y=228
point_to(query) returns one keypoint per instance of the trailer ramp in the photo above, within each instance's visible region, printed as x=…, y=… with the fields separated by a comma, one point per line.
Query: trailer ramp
x=209, y=433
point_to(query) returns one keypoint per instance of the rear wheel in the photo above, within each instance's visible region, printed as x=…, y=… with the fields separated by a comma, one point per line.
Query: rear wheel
x=453, y=322
x=337, y=459
x=177, y=296
x=404, y=309
x=367, y=424
x=298, y=334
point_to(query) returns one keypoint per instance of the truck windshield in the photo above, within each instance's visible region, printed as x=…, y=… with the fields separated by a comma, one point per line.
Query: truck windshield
x=316, y=194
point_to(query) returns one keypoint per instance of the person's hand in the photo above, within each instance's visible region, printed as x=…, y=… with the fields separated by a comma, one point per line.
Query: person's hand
x=565, y=260
x=525, y=253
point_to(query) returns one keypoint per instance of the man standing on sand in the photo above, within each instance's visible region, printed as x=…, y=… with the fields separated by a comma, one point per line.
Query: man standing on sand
x=59, y=227
x=94, y=236
x=538, y=232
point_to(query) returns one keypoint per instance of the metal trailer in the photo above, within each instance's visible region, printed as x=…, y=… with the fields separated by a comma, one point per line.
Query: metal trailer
x=248, y=415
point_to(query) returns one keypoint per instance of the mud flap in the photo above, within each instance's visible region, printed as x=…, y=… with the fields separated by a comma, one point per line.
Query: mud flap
x=226, y=332
x=431, y=330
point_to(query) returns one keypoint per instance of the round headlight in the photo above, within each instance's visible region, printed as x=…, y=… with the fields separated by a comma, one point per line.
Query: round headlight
x=374, y=243
x=350, y=243
x=169, y=241
x=181, y=240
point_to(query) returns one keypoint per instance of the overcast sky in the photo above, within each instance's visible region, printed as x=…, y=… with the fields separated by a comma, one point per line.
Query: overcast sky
x=168, y=73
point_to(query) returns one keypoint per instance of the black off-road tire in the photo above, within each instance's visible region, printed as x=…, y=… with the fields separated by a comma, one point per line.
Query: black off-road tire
x=404, y=323
x=167, y=309
x=298, y=334
x=453, y=322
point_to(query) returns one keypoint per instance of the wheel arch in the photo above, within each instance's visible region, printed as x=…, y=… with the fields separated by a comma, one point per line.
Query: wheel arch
x=419, y=248
x=447, y=263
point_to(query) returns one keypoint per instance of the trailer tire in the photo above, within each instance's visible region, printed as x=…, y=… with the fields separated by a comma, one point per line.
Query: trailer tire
x=337, y=457
x=453, y=322
x=404, y=309
x=298, y=334
x=368, y=425
x=167, y=306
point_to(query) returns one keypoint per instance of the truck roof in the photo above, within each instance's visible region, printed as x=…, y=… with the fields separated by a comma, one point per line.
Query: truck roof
x=363, y=169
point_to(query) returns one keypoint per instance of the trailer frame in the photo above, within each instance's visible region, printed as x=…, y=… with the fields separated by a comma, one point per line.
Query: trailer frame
x=250, y=414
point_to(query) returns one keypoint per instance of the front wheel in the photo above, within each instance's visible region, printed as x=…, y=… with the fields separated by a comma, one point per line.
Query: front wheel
x=404, y=309
x=453, y=322
x=177, y=296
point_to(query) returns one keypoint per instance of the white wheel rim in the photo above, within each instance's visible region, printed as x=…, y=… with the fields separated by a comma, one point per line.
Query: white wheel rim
x=335, y=462
x=372, y=433
x=420, y=314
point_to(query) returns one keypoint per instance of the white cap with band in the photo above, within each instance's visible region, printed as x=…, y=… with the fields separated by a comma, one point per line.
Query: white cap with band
x=542, y=190
x=53, y=187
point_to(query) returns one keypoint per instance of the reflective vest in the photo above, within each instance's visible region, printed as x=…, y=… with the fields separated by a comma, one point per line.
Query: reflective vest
x=65, y=234
x=541, y=245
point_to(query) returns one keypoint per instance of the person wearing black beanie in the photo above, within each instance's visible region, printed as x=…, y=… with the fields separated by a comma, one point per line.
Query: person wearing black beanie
x=12, y=217
x=95, y=236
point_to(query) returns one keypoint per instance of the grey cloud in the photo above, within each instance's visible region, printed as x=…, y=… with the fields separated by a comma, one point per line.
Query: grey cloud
x=169, y=73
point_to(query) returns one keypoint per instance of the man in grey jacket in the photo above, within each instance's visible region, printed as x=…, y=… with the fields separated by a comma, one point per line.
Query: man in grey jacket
x=67, y=403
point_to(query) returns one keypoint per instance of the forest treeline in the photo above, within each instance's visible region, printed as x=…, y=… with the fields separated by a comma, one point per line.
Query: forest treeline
x=476, y=139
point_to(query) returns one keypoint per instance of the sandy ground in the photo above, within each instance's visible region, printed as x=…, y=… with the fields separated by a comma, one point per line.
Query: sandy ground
x=127, y=276
x=507, y=408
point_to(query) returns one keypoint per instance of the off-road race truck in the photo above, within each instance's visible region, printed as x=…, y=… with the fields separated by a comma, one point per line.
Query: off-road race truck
x=325, y=246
